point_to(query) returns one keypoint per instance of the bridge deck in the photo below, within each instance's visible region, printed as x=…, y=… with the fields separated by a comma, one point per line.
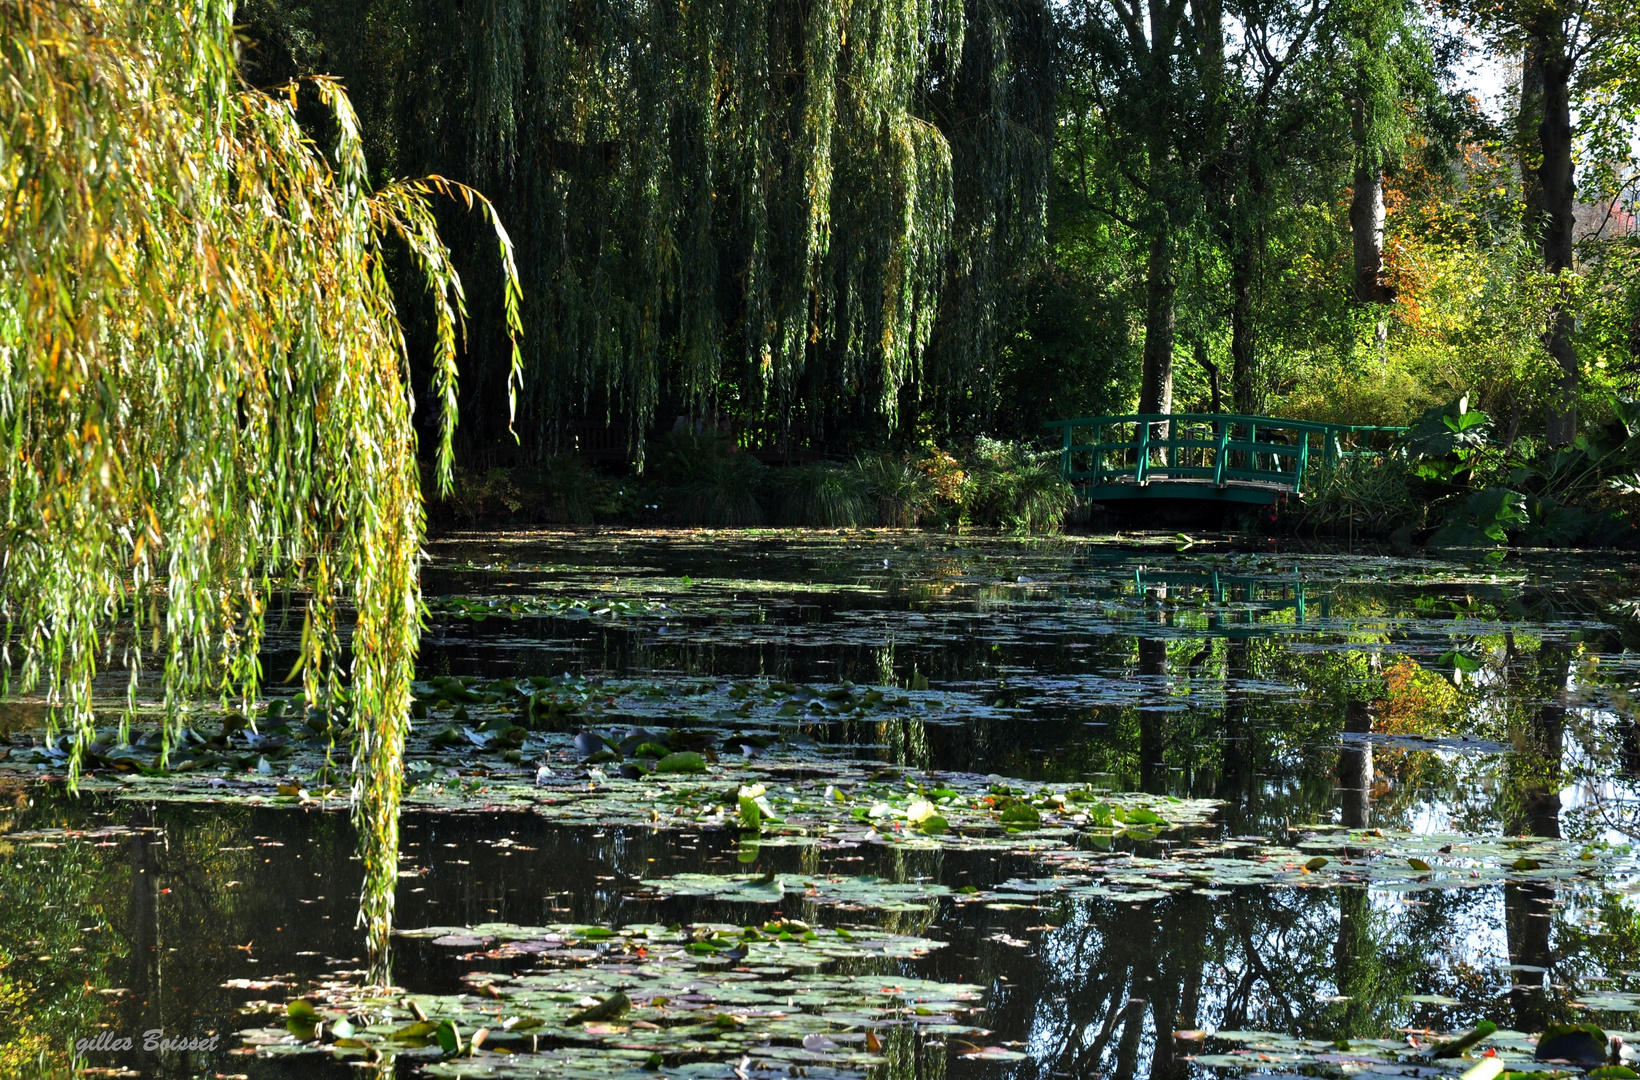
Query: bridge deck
x=1219, y=457
x=1254, y=492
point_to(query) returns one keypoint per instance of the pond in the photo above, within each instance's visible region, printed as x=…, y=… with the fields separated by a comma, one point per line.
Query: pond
x=697, y=804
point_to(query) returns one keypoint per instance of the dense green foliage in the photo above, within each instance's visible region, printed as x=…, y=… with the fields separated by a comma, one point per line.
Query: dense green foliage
x=1455, y=480
x=893, y=222
x=706, y=480
x=808, y=211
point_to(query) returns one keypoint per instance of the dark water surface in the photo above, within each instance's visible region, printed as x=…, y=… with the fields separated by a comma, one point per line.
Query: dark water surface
x=1482, y=697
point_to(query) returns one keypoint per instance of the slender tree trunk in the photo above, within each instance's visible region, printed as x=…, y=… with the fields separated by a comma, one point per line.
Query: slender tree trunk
x=1244, y=393
x=1161, y=292
x=1161, y=285
x=1367, y=213
x=1215, y=381
x=1220, y=173
x=1529, y=122
x=1559, y=203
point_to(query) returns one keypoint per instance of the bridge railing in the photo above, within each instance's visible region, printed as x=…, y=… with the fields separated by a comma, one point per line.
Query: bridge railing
x=1214, y=448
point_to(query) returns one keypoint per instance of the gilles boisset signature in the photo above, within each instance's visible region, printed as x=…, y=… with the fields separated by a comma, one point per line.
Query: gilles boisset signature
x=154, y=1039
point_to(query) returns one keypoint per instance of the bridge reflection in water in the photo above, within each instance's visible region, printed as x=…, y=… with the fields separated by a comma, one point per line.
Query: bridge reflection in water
x=1252, y=596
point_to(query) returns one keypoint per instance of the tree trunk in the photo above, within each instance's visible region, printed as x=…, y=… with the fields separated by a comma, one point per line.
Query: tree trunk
x=1529, y=120
x=1559, y=204
x=1244, y=395
x=1215, y=381
x=1161, y=290
x=1367, y=232
x=1367, y=213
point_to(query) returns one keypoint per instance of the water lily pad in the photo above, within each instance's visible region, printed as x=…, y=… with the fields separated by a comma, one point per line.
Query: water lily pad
x=666, y=1007
x=853, y=892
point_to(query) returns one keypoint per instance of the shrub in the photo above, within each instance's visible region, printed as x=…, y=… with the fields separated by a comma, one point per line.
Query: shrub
x=945, y=479
x=1010, y=486
x=1372, y=492
x=566, y=491
x=1384, y=394
x=724, y=492
x=677, y=459
x=474, y=495
x=896, y=488
x=561, y=490
x=819, y=496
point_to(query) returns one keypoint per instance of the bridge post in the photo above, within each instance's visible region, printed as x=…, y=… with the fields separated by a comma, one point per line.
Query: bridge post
x=1220, y=452
x=1065, y=451
x=1141, y=469
x=1303, y=460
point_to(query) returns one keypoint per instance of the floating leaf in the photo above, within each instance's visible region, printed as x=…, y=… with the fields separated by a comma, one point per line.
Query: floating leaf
x=1579, y=1044
x=1023, y=815
x=613, y=1007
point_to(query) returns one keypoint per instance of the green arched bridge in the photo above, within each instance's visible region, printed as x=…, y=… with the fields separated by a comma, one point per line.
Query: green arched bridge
x=1212, y=456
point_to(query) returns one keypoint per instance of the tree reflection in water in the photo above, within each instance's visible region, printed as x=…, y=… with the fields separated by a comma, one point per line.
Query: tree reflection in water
x=1534, y=776
x=1118, y=980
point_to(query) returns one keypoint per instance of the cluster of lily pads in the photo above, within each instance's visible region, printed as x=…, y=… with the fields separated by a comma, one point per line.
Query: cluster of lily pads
x=647, y=999
x=1380, y=859
x=236, y=747
x=1484, y=1052
x=521, y=605
x=1383, y=859
x=787, y=802
x=479, y=717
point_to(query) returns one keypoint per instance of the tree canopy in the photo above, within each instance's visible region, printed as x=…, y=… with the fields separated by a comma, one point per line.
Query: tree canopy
x=908, y=221
x=808, y=211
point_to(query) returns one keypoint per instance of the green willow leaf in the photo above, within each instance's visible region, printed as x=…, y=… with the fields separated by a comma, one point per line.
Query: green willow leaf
x=203, y=393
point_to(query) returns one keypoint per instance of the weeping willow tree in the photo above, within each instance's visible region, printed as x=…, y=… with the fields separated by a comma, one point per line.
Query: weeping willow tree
x=780, y=208
x=203, y=390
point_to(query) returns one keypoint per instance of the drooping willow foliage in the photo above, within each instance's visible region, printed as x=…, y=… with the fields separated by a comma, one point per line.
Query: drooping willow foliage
x=785, y=208
x=203, y=391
